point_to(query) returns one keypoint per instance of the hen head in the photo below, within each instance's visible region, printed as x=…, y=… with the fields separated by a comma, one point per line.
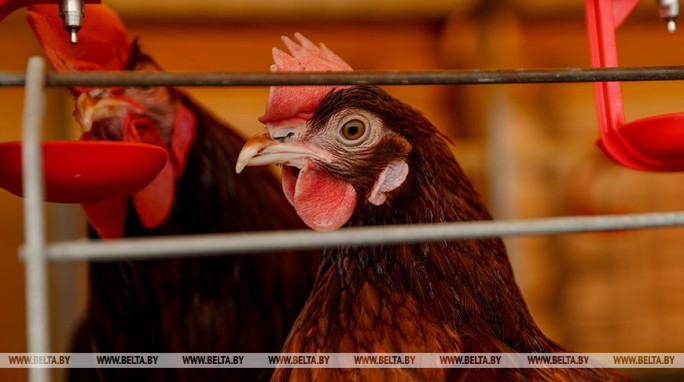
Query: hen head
x=348, y=148
x=153, y=115
x=128, y=114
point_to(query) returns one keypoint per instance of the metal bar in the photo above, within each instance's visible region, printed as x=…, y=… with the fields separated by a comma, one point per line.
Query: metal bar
x=255, y=242
x=34, y=219
x=448, y=77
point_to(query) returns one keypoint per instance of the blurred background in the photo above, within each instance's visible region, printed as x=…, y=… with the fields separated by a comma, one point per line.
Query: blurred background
x=529, y=148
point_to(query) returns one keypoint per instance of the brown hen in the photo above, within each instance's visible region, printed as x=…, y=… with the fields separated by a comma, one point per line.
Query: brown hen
x=217, y=304
x=357, y=156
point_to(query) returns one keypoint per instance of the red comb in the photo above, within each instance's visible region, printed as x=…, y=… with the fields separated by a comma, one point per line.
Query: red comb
x=103, y=42
x=286, y=103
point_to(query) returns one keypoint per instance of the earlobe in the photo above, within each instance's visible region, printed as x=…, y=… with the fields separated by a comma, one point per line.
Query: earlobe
x=183, y=136
x=390, y=179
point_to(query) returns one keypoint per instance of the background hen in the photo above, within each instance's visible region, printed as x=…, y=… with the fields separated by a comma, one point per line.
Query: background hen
x=207, y=304
x=357, y=156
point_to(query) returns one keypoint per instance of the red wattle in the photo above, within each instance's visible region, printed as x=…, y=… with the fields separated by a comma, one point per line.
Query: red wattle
x=154, y=202
x=323, y=202
x=107, y=218
x=289, y=184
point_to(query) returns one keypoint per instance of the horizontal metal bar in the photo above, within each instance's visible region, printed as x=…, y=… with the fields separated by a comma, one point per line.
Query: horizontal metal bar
x=256, y=242
x=449, y=77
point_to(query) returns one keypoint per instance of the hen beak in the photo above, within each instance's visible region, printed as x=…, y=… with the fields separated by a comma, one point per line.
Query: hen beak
x=262, y=149
x=92, y=108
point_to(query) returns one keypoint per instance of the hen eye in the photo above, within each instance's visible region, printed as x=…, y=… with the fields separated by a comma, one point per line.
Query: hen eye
x=353, y=130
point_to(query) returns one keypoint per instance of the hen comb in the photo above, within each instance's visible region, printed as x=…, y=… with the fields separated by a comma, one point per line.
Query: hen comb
x=297, y=103
x=103, y=42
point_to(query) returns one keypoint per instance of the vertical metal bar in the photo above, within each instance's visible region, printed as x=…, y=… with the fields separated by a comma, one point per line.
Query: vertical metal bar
x=34, y=219
x=63, y=222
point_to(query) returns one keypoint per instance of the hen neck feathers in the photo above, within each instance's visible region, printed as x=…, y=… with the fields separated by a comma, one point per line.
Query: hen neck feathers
x=467, y=285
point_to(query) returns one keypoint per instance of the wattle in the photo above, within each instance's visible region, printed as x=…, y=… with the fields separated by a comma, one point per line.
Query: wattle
x=154, y=203
x=322, y=201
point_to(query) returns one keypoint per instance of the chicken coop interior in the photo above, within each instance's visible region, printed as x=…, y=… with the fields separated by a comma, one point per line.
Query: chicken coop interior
x=529, y=148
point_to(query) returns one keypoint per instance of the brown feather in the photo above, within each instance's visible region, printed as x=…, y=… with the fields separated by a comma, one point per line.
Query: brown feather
x=442, y=297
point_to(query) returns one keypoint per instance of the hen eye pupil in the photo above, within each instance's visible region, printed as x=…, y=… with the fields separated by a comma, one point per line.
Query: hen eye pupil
x=353, y=130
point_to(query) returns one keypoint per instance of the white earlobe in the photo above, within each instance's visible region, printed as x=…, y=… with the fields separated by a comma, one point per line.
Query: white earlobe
x=390, y=179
